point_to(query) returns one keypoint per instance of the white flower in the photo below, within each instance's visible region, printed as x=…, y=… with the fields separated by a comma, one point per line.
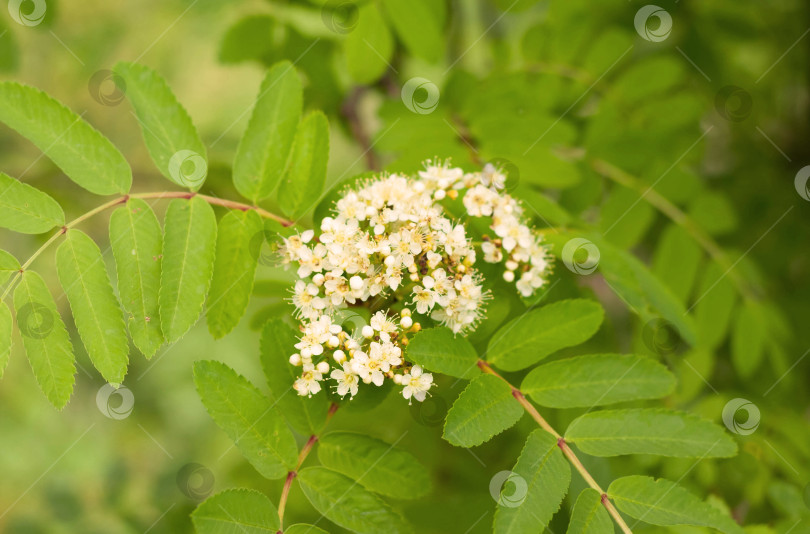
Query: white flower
x=347, y=380
x=309, y=383
x=370, y=369
x=424, y=299
x=416, y=383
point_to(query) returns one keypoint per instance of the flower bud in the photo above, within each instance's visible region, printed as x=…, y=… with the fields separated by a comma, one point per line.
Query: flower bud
x=323, y=367
x=368, y=332
x=406, y=322
x=295, y=359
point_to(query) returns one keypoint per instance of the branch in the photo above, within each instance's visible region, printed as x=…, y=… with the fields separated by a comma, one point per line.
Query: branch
x=561, y=443
x=230, y=204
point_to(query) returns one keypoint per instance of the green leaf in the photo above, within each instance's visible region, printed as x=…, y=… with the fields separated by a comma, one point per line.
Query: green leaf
x=236, y=511
x=676, y=261
x=748, y=339
x=6, y=328
x=168, y=132
x=589, y=515
x=540, y=477
x=485, y=408
x=45, y=338
x=189, y=241
x=247, y=417
x=532, y=336
x=416, y=26
x=8, y=266
x=661, y=502
x=306, y=415
x=234, y=269
x=301, y=528
x=370, y=45
x=649, y=431
x=302, y=185
x=84, y=155
x=26, y=209
x=261, y=158
x=96, y=312
x=137, y=243
x=348, y=504
x=715, y=307
x=439, y=350
x=249, y=38
x=598, y=380
x=377, y=465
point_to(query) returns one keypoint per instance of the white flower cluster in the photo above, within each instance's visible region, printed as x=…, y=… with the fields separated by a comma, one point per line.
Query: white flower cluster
x=391, y=243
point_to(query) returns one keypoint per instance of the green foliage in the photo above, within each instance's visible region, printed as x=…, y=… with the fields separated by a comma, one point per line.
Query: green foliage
x=417, y=26
x=264, y=151
x=376, y=465
x=305, y=415
x=589, y=516
x=167, y=129
x=649, y=431
x=748, y=338
x=439, y=350
x=533, y=336
x=305, y=178
x=234, y=269
x=247, y=417
x=84, y=155
x=27, y=210
x=96, y=312
x=45, y=339
x=370, y=46
x=485, y=408
x=136, y=240
x=546, y=476
x=8, y=265
x=348, y=504
x=661, y=502
x=598, y=380
x=237, y=511
x=189, y=244
x=6, y=330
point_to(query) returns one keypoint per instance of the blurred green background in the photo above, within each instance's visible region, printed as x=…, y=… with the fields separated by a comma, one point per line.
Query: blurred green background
x=709, y=115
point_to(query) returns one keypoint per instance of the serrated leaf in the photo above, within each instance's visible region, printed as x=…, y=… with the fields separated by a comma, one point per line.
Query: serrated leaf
x=713, y=311
x=6, y=328
x=439, y=350
x=306, y=415
x=348, y=504
x=676, y=261
x=748, y=339
x=589, y=515
x=649, y=431
x=234, y=268
x=26, y=209
x=303, y=183
x=485, y=408
x=416, y=26
x=661, y=502
x=236, y=511
x=301, y=528
x=98, y=317
x=540, y=477
x=84, y=155
x=375, y=464
x=247, y=417
x=263, y=152
x=8, y=266
x=45, y=338
x=189, y=243
x=169, y=134
x=137, y=244
x=597, y=380
x=369, y=46
x=532, y=336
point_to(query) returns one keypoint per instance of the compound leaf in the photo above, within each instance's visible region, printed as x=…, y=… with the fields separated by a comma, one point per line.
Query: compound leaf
x=26, y=209
x=484, y=409
x=439, y=350
x=236, y=511
x=302, y=184
x=589, y=515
